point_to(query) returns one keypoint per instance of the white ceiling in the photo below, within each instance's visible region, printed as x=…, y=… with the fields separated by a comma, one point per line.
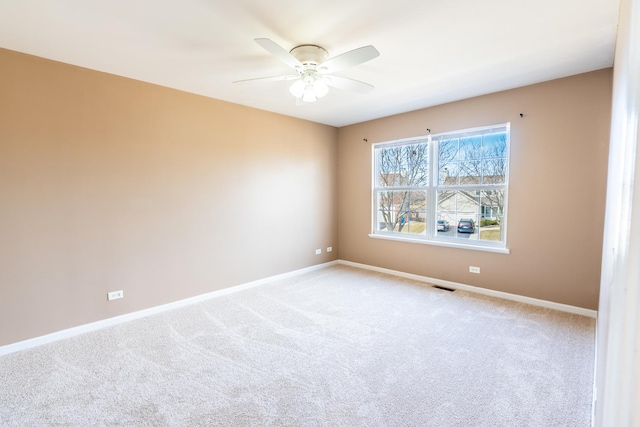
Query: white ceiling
x=431, y=52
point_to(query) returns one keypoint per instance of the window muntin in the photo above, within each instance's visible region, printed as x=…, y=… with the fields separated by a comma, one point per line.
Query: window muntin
x=404, y=165
x=465, y=186
x=481, y=159
x=402, y=211
x=402, y=174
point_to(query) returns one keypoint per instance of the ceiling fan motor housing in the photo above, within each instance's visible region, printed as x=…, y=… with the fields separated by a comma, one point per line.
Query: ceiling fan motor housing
x=309, y=55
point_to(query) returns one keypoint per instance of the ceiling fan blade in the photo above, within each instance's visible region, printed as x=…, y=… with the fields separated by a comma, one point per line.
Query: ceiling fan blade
x=274, y=78
x=348, y=84
x=349, y=59
x=280, y=53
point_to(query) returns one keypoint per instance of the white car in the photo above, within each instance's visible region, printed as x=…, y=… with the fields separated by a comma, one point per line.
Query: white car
x=443, y=225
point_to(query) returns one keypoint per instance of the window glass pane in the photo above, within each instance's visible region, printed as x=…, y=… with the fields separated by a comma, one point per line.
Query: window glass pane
x=494, y=171
x=386, y=215
x=447, y=203
x=417, y=215
x=446, y=215
x=448, y=162
x=470, y=172
x=470, y=148
x=460, y=209
x=494, y=145
x=491, y=210
x=403, y=165
x=473, y=215
x=495, y=158
x=468, y=204
x=448, y=174
x=402, y=211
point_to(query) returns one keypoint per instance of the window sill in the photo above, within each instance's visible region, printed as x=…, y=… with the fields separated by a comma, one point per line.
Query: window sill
x=441, y=243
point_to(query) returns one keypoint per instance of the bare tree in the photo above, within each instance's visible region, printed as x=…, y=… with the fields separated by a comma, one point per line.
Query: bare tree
x=494, y=171
x=474, y=161
x=399, y=168
x=403, y=175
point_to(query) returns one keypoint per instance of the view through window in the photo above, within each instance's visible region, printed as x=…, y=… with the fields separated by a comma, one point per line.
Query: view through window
x=450, y=187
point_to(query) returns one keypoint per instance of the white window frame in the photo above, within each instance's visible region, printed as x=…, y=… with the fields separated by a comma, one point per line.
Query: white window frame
x=430, y=235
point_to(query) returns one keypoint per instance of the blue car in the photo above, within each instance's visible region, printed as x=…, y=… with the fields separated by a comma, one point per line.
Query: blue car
x=466, y=226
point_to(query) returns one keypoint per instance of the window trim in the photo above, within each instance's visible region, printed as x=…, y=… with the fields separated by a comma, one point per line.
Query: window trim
x=433, y=186
x=447, y=244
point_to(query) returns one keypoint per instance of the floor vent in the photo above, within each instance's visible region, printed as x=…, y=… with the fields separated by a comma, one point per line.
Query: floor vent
x=443, y=288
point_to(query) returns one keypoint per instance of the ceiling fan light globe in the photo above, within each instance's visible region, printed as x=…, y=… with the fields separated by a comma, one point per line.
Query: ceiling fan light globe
x=309, y=94
x=320, y=88
x=297, y=88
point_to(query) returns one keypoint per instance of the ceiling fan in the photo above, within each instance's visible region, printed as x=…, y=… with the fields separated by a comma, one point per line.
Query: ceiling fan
x=313, y=70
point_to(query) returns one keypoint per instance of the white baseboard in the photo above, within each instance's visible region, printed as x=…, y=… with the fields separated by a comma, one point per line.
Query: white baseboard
x=477, y=290
x=94, y=326
x=100, y=324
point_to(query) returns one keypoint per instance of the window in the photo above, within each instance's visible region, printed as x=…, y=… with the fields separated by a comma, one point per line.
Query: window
x=449, y=188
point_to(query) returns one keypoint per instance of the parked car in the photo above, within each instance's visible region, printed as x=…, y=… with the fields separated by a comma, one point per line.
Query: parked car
x=443, y=225
x=466, y=226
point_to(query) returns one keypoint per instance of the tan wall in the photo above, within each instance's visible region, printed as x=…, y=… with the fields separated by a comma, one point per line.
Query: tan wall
x=556, y=196
x=108, y=183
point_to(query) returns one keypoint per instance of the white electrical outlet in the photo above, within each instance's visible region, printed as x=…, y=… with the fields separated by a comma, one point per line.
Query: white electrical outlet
x=329, y=248
x=474, y=269
x=115, y=295
x=318, y=251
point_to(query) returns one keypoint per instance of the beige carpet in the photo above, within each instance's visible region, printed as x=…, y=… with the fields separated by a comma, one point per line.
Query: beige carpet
x=335, y=347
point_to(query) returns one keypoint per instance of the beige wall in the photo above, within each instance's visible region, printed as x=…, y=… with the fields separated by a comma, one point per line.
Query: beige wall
x=556, y=196
x=108, y=183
